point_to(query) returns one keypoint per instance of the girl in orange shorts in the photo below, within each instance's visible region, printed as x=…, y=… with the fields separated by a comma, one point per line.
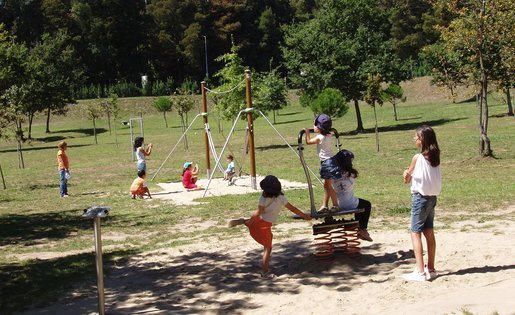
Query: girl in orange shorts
x=260, y=223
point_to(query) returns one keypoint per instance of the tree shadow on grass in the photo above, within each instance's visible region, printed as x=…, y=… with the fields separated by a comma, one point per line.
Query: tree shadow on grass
x=273, y=147
x=85, y=131
x=37, y=282
x=203, y=281
x=407, y=126
x=289, y=121
x=53, y=147
x=288, y=114
x=31, y=229
x=51, y=138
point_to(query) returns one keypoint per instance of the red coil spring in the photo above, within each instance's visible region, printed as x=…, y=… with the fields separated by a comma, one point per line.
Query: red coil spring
x=343, y=239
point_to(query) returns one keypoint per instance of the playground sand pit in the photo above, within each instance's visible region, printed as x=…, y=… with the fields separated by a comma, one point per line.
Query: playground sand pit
x=477, y=275
x=179, y=195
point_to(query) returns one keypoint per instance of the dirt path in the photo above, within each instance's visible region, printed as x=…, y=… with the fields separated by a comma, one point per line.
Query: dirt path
x=477, y=274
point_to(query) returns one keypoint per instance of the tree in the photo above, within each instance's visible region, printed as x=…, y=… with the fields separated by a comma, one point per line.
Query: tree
x=331, y=102
x=163, y=105
x=394, y=94
x=15, y=97
x=93, y=111
x=54, y=74
x=447, y=67
x=482, y=38
x=183, y=102
x=270, y=93
x=344, y=42
x=115, y=110
x=230, y=76
x=373, y=96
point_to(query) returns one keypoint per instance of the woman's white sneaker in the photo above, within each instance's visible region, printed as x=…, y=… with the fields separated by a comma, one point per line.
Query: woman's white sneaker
x=415, y=276
x=430, y=275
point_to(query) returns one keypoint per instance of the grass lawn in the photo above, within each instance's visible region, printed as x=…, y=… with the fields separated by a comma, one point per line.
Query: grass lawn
x=34, y=220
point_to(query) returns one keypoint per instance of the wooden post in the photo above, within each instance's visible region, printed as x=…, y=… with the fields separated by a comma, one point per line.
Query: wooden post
x=3, y=179
x=250, y=127
x=206, y=138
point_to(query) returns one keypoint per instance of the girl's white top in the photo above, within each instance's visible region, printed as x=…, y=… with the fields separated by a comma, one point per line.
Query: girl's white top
x=140, y=155
x=344, y=188
x=272, y=207
x=426, y=180
x=325, y=146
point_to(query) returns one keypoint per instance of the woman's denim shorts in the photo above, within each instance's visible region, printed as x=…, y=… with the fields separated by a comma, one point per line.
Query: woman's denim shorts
x=422, y=212
x=141, y=166
x=329, y=169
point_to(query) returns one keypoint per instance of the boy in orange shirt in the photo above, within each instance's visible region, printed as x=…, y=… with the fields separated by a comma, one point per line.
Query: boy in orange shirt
x=139, y=186
x=63, y=166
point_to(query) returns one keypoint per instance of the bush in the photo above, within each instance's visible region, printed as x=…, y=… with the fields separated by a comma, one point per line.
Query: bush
x=125, y=89
x=90, y=91
x=159, y=88
x=331, y=102
x=188, y=86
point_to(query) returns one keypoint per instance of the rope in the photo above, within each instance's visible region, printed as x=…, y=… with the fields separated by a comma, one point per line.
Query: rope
x=225, y=92
x=212, y=146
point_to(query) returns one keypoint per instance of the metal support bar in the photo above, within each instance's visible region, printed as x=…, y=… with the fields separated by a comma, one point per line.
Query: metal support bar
x=99, y=264
x=175, y=146
x=222, y=153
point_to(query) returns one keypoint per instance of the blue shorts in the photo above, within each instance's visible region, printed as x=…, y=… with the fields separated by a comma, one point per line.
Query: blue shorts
x=329, y=169
x=142, y=166
x=422, y=212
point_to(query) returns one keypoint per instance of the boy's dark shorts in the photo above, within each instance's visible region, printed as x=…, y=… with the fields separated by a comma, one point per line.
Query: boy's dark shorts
x=329, y=169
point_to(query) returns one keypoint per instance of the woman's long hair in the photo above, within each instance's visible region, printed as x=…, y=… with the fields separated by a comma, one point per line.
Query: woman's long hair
x=344, y=161
x=430, y=149
x=138, y=142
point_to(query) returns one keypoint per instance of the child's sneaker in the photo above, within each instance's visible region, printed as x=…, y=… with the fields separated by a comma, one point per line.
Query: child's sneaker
x=268, y=275
x=430, y=274
x=363, y=234
x=234, y=222
x=323, y=210
x=334, y=209
x=415, y=276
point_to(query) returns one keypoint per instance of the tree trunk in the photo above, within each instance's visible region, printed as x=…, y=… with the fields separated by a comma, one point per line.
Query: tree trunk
x=21, y=162
x=484, y=142
x=166, y=122
x=31, y=118
x=95, y=130
x=109, y=121
x=115, y=133
x=183, y=127
x=377, y=131
x=358, y=117
x=273, y=111
x=48, y=121
x=508, y=100
x=3, y=179
x=395, y=111
x=220, y=129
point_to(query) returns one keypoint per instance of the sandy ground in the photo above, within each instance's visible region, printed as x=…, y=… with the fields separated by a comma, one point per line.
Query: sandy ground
x=177, y=193
x=477, y=274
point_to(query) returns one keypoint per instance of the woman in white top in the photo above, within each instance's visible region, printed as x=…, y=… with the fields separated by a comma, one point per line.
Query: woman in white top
x=324, y=142
x=426, y=184
x=260, y=224
x=141, y=153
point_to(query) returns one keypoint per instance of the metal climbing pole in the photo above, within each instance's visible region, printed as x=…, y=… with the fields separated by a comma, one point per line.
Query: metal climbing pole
x=250, y=126
x=206, y=136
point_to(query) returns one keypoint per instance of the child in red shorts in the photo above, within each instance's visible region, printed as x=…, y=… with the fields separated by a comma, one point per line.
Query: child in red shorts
x=139, y=186
x=260, y=224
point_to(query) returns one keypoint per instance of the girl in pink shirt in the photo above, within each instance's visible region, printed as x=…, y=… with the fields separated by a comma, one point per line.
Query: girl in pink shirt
x=189, y=175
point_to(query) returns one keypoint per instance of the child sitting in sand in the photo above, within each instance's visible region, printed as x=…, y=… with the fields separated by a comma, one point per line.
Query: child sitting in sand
x=343, y=185
x=229, y=172
x=189, y=176
x=139, y=186
x=260, y=224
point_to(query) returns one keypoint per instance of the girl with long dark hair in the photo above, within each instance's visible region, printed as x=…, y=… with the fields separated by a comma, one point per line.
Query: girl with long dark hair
x=344, y=188
x=426, y=184
x=141, y=153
